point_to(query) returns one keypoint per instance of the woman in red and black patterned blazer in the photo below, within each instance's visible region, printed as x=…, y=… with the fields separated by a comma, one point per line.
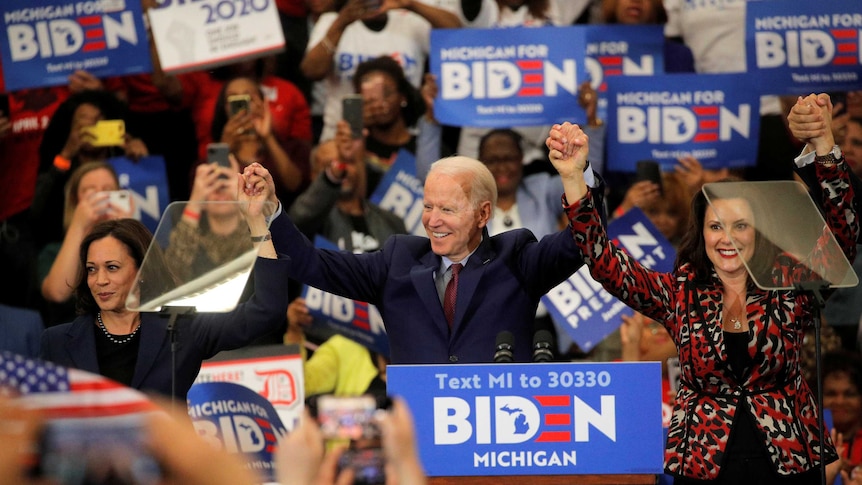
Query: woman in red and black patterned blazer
x=744, y=413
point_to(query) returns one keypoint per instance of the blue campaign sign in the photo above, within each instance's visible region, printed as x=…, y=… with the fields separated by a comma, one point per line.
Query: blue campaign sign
x=534, y=419
x=147, y=179
x=240, y=420
x=621, y=50
x=356, y=320
x=47, y=40
x=508, y=77
x=803, y=47
x=666, y=117
x=400, y=191
x=587, y=311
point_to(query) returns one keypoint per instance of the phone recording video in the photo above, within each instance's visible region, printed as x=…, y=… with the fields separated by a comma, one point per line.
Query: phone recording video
x=351, y=107
x=649, y=170
x=106, y=133
x=355, y=419
x=238, y=102
x=120, y=200
x=97, y=451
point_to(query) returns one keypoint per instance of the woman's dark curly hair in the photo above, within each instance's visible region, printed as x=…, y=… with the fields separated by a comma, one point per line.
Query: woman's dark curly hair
x=220, y=115
x=389, y=67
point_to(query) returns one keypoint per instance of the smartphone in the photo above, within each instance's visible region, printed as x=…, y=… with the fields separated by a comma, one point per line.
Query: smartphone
x=355, y=419
x=107, y=133
x=96, y=451
x=238, y=102
x=219, y=154
x=351, y=109
x=120, y=199
x=649, y=170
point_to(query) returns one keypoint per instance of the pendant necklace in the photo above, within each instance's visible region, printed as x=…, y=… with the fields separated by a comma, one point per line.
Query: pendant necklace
x=111, y=336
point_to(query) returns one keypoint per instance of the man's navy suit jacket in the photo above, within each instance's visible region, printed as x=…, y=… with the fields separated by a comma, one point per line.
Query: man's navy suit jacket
x=499, y=289
x=201, y=337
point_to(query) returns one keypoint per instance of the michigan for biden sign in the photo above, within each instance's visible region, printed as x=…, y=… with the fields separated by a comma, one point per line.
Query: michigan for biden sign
x=706, y=116
x=534, y=419
x=503, y=77
x=803, y=47
x=44, y=41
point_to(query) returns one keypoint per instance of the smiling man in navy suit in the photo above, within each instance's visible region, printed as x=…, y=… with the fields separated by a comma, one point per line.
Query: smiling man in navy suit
x=498, y=289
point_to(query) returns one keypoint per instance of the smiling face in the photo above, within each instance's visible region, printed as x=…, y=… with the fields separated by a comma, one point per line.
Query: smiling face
x=111, y=272
x=451, y=221
x=739, y=220
x=841, y=396
x=503, y=157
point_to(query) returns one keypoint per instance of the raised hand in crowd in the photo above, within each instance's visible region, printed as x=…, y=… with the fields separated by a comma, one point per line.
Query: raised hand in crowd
x=690, y=173
x=81, y=80
x=186, y=459
x=298, y=319
x=18, y=436
x=810, y=120
x=641, y=194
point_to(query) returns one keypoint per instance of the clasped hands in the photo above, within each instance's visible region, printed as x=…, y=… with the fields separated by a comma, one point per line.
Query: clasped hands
x=568, y=147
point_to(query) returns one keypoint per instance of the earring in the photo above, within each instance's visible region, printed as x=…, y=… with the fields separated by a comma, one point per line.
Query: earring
x=403, y=103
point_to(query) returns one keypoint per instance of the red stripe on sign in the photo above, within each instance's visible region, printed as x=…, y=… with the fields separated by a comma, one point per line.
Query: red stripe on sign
x=529, y=65
x=558, y=419
x=361, y=312
x=94, y=411
x=844, y=33
x=705, y=110
x=93, y=46
x=847, y=47
x=94, y=33
x=533, y=78
x=613, y=72
x=611, y=61
x=708, y=124
x=554, y=437
x=845, y=61
x=704, y=137
x=554, y=400
x=527, y=91
x=361, y=324
x=90, y=20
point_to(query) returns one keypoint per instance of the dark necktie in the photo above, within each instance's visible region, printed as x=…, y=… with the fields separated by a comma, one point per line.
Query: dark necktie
x=451, y=293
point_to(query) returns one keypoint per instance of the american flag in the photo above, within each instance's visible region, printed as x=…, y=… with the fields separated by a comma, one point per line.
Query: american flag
x=60, y=392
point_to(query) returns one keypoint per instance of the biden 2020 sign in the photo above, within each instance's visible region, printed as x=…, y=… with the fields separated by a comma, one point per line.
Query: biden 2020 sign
x=534, y=419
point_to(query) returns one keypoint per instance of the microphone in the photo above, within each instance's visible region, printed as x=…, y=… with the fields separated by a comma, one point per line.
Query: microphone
x=542, y=346
x=503, y=347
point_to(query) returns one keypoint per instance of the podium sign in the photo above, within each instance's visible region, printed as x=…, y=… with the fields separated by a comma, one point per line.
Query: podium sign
x=535, y=419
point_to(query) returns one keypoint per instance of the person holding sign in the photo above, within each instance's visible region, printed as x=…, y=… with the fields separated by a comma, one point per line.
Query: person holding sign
x=744, y=413
x=498, y=289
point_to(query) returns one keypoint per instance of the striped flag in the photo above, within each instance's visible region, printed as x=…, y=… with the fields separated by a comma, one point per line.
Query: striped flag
x=61, y=392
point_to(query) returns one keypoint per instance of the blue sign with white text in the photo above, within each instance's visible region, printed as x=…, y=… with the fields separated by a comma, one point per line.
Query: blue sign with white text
x=534, y=419
x=47, y=40
x=508, y=77
x=801, y=47
x=357, y=320
x=621, y=50
x=663, y=118
x=585, y=310
x=240, y=420
x=401, y=192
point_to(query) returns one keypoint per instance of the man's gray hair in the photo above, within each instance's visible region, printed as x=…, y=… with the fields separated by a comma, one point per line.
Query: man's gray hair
x=482, y=185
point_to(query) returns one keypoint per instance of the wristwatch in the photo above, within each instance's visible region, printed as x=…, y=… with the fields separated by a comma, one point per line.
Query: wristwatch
x=834, y=156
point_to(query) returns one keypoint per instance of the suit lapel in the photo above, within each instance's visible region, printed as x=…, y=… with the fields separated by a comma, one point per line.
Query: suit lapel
x=470, y=277
x=81, y=345
x=423, y=280
x=153, y=335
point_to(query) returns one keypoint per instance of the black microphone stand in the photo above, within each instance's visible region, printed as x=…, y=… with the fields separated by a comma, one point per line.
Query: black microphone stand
x=815, y=289
x=172, y=313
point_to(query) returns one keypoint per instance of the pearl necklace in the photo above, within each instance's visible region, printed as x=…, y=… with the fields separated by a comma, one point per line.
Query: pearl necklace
x=111, y=336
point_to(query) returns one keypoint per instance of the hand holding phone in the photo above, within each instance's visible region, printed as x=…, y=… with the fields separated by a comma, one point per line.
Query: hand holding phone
x=355, y=419
x=237, y=103
x=651, y=171
x=352, y=113
x=106, y=133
